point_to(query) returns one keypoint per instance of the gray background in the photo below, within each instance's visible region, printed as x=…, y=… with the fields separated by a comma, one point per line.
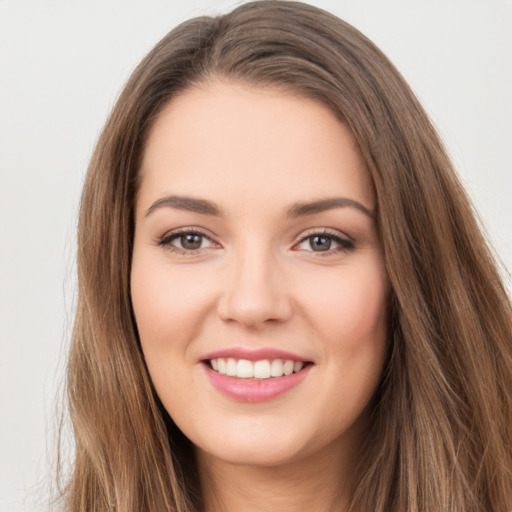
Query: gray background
x=62, y=64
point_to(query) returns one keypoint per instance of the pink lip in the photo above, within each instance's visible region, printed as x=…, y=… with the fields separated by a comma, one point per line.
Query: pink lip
x=254, y=390
x=253, y=355
x=251, y=390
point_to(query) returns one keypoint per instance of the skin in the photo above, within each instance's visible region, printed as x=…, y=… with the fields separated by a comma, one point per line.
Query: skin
x=259, y=280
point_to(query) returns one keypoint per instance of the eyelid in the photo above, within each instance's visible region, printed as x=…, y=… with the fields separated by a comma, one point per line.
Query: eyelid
x=346, y=242
x=166, y=239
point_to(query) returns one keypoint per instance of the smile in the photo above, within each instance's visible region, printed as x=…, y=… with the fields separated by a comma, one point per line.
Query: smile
x=255, y=375
x=262, y=369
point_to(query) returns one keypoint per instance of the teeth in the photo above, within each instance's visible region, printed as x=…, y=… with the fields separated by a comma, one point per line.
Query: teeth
x=276, y=368
x=244, y=369
x=264, y=369
x=288, y=367
x=231, y=367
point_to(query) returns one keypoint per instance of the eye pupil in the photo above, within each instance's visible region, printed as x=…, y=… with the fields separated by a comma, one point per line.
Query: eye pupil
x=320, y=243
x=191, y=241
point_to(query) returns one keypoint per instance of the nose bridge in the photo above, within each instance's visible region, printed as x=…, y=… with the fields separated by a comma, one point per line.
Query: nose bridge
x=255, y=292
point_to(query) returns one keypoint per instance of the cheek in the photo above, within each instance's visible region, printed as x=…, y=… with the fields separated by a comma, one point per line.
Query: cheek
x=351, y=306
x=170, y=310
x=362, y=313
x=169, y=304
x=351, y=315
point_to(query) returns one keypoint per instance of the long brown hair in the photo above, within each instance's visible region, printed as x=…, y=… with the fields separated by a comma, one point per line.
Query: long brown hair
x=441, y=430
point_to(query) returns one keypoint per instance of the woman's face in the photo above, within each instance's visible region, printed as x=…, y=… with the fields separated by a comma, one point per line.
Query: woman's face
x=258, y=282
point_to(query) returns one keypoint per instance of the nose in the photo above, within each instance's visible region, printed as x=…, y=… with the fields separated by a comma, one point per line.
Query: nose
x=255, y=292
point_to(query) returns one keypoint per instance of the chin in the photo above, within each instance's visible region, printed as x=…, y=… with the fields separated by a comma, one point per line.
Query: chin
x=254, y=455
x=259, y=446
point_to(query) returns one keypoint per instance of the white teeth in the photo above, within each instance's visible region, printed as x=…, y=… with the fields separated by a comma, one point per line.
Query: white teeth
x=231, y=367
x=288, y=367
x=244, y=369
x=276, y=368
x=263, y=369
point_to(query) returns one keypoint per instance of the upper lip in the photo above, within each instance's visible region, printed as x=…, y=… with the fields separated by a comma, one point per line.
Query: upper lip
x=253, y=355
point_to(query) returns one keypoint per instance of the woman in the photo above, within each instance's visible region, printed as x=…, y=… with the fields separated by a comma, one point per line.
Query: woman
x=285, y=301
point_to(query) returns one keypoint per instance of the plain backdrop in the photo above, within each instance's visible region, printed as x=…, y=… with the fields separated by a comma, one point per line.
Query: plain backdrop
x=62, y=64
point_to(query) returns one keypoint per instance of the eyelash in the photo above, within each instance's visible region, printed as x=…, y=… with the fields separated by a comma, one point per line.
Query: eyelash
x=165, y=240
x=344, y=244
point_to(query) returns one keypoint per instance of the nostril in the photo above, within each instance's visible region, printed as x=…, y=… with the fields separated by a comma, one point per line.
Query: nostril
x=252, y=311
x=253, y=292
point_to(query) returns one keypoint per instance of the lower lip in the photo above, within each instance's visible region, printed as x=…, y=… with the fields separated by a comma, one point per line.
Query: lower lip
x=252, y=390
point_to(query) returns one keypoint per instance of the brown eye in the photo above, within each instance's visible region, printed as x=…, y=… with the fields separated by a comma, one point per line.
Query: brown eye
x=325, y=243
x=320, y=243
x=186, y=241
x=191, y=241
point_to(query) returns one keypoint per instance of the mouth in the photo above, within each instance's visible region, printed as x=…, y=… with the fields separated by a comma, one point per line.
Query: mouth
x=255, y=375
x=257, y=370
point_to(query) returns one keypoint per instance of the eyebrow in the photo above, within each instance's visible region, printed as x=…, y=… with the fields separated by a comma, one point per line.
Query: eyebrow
x=190, y=204
x=205, y=207
x=304, y=209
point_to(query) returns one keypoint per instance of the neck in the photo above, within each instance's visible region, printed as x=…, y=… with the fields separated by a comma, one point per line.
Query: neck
x=320, y=483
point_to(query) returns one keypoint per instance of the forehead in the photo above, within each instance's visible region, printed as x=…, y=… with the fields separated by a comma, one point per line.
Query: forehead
x=229, y=139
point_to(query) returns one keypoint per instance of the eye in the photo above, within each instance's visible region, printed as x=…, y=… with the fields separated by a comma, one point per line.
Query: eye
x=319, y=243
x=324, y=242
x=186, y=241
x=190, y=241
